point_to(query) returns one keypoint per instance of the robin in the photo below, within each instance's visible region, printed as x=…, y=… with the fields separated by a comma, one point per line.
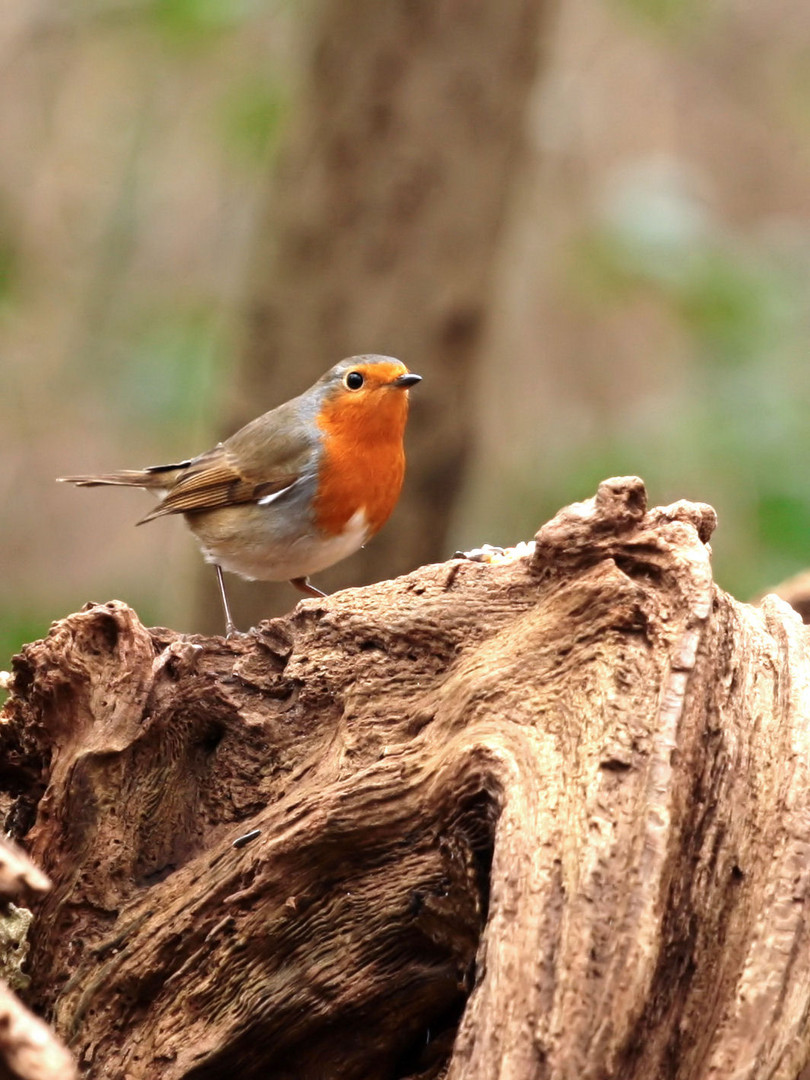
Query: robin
x=298, y=489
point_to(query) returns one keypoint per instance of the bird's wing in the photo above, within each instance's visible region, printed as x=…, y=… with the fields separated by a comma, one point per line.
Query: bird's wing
x=208, y=486
x=260, y=460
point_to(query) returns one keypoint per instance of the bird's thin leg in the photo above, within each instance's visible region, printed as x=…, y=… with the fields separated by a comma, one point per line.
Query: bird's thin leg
x=303, y=585
x=230, y=628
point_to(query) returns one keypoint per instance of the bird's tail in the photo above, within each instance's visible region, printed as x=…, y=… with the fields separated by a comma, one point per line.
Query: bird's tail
x=159, y=476
x=126, y=478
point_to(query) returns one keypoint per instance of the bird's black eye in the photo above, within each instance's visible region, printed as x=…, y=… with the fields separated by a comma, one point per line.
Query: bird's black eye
x=354, y=380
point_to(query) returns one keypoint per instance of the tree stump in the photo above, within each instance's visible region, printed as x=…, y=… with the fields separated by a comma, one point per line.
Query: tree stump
x=544, y=816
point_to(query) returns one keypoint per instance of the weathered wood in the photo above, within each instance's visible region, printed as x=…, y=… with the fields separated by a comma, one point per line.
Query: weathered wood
x=796, y=592
x=29, y=1050
x=18, y=875
x=544, y=817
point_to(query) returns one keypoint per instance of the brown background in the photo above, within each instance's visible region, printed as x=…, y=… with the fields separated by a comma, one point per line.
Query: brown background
x=646, y=301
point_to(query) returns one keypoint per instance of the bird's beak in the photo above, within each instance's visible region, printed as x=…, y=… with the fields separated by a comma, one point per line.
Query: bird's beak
x=406, y=381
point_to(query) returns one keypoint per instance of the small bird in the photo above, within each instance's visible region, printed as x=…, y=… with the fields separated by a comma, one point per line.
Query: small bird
x=298, y=489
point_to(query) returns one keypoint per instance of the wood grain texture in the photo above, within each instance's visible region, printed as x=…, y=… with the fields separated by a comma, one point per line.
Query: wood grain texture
x=545, y=818
x=29, y=1050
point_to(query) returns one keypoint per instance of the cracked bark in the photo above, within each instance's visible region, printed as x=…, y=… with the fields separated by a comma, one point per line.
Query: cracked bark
x=539, y=818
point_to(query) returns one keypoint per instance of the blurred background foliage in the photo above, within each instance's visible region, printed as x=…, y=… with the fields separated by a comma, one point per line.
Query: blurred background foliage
x=649, y=313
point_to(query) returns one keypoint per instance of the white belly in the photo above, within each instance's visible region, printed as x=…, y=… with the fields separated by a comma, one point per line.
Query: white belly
x=270, y=560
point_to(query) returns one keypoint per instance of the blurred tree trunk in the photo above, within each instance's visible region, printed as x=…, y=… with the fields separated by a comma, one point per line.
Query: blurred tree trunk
x=380, y=235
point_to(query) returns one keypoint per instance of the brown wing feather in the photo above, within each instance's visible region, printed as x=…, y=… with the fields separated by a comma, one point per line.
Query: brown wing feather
x=227, y=476
x=215, y=487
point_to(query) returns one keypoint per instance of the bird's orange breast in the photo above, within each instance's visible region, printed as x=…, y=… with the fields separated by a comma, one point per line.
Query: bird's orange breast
x=363, y=460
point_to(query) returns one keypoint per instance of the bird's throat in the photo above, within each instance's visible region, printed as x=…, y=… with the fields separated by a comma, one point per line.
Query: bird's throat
x=363, y=461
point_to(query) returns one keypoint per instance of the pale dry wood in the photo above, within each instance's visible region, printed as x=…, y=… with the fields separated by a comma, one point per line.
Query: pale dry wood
x=28, y=1048
x=17, y=873
x=541, y=818
x=796, y=592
